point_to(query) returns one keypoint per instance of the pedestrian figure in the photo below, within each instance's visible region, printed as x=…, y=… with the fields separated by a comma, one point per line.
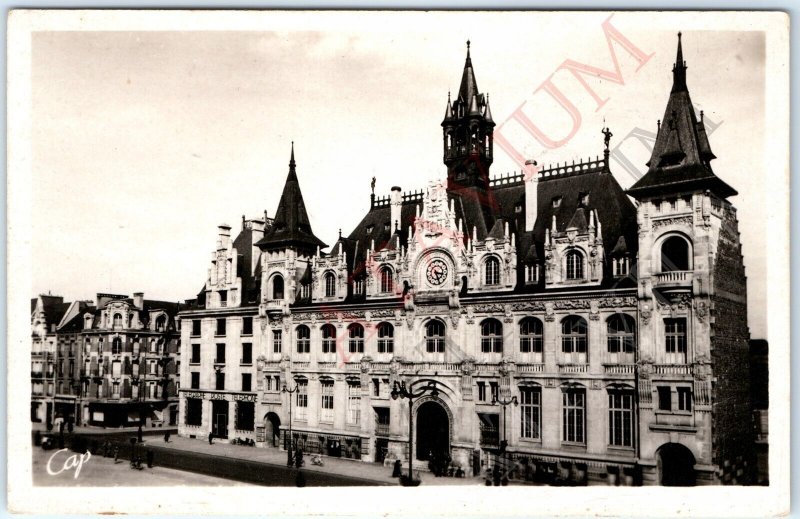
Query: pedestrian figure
x=496, y=475
x=70, y=426
x=211, y=438
x=398, y=466
x=298, y=458
x=116, y=453
x=166, y=437
x=150, y=457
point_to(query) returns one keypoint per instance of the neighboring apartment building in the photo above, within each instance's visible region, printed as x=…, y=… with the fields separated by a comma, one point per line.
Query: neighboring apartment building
x=617, y=328
x=104, y=364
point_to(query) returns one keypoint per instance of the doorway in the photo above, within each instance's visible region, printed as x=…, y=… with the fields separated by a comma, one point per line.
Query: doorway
x=676, y=466
x=219, y=413
x=273, y=431
x=433, y=431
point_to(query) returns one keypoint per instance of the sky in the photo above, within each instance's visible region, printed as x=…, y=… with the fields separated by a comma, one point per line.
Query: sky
x=143, y=142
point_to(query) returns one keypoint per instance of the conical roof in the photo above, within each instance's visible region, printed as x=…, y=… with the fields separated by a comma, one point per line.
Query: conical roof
x=621, y=248
x=469, y=87
x=681, y=154
x=291, y=226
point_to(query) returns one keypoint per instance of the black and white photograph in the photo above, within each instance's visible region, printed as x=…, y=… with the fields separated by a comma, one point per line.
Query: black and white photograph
x=322, y=256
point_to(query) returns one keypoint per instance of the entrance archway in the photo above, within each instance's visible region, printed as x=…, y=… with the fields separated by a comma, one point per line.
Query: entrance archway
x=273, y=425
x=433, y=431
x=675, y=466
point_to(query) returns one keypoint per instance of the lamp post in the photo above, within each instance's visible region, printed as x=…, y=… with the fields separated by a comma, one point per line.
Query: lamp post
x=496, y=401
x=289, y=459
x=400, y=390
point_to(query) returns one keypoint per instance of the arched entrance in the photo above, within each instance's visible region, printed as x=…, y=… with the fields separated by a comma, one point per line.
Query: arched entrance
x=433, y=431
x=273, y=428
x=675, y=466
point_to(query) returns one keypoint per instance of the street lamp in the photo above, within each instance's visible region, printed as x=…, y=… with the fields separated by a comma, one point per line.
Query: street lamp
x=504, y=403
x=400, y=390
x=289, y=459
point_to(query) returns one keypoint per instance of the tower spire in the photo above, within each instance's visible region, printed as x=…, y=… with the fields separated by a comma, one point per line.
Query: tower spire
x=292, y=164
x=679, y=70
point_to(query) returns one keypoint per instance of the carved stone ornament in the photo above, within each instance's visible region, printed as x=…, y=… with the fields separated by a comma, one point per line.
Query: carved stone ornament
x=455, y=316
x=260, y=361
x=597, y=384
x=507, y=367
x=701, y=311
x=645, y=367
x=410, y=319
x=646, y=313
x=468, y=366
x=665, y=222
x=702, y=367
x=594, y=310
x=550, y=314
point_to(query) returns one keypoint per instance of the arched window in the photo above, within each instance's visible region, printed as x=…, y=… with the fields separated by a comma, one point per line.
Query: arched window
x=531, y=336
x=117, y=320
x=328, y=338
x=116, y=346
x=574, y=265
x=434, y=336
x=303, y=334
x=573, y=339
x=621, y=337
x=387, y=281
x=675, y=254
x=355, y=342
x=161, y=323
x=491, y=336
x=492, y=269
x=330, y=285
x=277, y=287
x=385, y=338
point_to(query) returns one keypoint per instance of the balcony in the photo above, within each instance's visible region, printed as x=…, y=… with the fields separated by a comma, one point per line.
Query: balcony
x=530, y=368
x=672, y=369
x=381, y=429
x=674, y=280
x=573, y=368
x=490, y=437
x=618, y=369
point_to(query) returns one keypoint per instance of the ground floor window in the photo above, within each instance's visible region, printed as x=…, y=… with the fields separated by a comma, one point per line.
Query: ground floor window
x=245, y=415
x=530, y=412
x=194, y=411
x=620, y=418
x=574, y=414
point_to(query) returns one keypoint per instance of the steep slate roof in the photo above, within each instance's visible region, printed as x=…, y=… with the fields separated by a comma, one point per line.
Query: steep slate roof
x=291, y=225
x=54, y=309
x=506, y=204
x=251, y=281
x=681, y=158
x=469, y=86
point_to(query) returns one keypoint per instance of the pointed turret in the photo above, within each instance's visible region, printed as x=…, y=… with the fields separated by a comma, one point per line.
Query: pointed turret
x=291, y=226
x=681, y=155
x=448, y=113
x=487, y=113
x=469, y=87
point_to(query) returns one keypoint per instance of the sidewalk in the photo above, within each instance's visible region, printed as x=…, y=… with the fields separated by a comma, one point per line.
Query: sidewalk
x=93, y=430
x=374, y=472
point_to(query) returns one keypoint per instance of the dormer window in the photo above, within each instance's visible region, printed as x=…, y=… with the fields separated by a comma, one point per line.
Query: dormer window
x=370, y=228
x=583, y=199
x=223, y=298
x=531, y=273
x=358, y=287
x=556, y=201
x=387, y=226
x=518, y=208
x=330, y=285
x=161, y=323
x=574, y=265
x=620, y=267
x=492, y=270
x=117, y=321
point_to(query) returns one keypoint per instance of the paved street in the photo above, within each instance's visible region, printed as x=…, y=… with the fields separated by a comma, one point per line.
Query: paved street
x=98, y=471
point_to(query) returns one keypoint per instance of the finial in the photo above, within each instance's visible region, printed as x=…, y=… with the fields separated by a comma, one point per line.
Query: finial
x=291, y=160
x=701, y=116
x=468, y=45
x=607, y=133
x=659, y=124
x=340, y=233
x=372, y=185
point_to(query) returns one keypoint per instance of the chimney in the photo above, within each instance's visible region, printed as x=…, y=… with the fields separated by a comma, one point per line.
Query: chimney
x=138, y=300
x=397, y=202
x=531, y=194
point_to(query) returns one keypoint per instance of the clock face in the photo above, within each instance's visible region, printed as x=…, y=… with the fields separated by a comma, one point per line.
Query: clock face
x=436, y=272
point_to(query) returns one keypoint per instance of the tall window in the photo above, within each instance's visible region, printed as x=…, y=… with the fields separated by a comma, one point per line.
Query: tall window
x=573, y=339
x=355, y=342
x=574, y=410
x=220, y=381
x=434, y=336
x=247, y=326
x=117, y=321
x=161, y=323
x=247, y=353
x=247, y=381
x=387, y=280
x=491, y=336
x=492, y=270
x=675, y=254
x=330, y=285
x=621, y=338
x=195, y=354
x=385, y=338
x=116, y=346
x=303, y=339
x=277, y=341
x=664, y=398
x=328, y=339
x=684, y=399
x=353, y=403
x=530, y=412
x=302, y=399
x=675, y=340
x=195, y=382
x=326, y=414
x=574, y=265
x=245, y=416
x=620, y=418
x=277, y=287
x=220, y=359
x=220, y=327
x=531, y=337
x=196, y=327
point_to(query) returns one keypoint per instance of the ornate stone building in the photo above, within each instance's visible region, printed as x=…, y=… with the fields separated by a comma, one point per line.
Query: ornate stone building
x=616, y=330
